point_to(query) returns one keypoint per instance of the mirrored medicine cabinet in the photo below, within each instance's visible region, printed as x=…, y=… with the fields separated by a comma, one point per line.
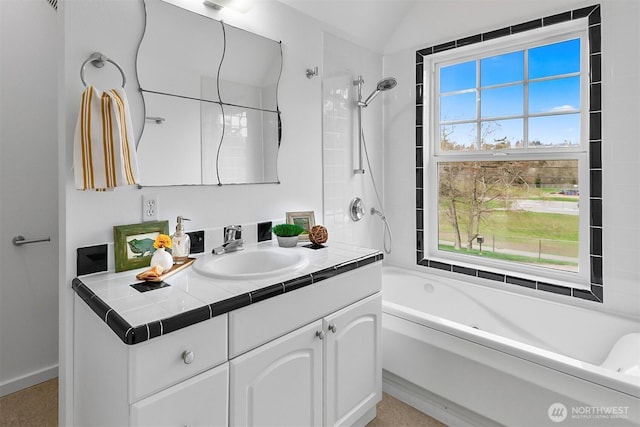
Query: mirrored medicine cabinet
x=210, y=95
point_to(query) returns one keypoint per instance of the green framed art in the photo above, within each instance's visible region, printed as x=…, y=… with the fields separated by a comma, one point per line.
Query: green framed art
x=133, y=243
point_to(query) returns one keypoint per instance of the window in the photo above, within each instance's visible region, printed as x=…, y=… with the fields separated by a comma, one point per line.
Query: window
x=505, y=180
x=497, y=102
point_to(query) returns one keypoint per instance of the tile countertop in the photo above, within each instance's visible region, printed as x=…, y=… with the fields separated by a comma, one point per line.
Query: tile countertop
x=191, y=297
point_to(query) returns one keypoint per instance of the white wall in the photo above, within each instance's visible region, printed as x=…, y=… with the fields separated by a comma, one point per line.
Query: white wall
x=92, y=215
x=29, y=48
x=436, y=22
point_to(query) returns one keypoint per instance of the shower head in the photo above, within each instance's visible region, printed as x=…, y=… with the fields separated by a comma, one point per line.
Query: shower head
x=384, y=84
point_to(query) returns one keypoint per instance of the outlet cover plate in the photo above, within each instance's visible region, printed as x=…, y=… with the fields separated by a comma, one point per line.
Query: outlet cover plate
x=150, y=207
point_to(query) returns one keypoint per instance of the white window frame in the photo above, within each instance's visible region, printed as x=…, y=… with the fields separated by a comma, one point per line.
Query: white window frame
x=432, y=153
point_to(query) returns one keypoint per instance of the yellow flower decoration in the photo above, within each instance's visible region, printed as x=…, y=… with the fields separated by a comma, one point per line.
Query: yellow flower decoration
x=162, y=241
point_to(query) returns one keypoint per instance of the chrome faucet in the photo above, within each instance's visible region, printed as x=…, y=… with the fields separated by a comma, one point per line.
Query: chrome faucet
x=232, y=240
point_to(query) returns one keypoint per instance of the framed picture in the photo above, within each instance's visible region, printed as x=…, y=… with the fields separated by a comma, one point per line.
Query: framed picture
x=133, y=243
x=305, y=220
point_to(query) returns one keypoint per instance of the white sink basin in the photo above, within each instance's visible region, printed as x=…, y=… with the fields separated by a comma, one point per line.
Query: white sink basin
x=254, y=264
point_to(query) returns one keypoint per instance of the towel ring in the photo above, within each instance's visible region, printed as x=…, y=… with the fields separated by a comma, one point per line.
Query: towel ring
x=98, y=60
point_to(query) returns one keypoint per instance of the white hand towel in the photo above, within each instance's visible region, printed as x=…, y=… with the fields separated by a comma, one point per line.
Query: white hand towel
x=104, y=154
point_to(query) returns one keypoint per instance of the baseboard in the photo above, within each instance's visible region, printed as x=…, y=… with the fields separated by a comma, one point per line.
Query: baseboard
x=431, y=404
x=366, y=418
x=17, y=384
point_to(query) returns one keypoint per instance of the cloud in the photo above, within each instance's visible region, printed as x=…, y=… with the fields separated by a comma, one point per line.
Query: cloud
x=564, y=108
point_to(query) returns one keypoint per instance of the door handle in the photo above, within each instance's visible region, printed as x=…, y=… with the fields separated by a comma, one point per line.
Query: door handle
x=20, y=240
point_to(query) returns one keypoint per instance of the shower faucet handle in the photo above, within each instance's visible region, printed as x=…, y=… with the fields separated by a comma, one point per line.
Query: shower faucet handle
x=356, y=209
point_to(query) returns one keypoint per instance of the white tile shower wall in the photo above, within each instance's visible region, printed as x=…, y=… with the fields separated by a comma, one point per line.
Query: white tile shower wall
x=343, y=62
x=621, y=108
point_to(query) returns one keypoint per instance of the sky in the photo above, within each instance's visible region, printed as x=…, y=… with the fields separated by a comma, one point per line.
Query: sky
x=552, y=87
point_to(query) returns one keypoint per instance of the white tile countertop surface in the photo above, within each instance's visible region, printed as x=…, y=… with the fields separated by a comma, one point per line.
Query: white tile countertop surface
x=192, y=297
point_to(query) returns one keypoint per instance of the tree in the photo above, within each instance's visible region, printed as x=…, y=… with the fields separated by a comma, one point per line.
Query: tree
x=449, y=174
x=480, y=187
x=468, y=188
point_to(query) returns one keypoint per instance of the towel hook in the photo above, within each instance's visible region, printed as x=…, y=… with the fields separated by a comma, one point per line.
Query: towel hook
x=97, y=60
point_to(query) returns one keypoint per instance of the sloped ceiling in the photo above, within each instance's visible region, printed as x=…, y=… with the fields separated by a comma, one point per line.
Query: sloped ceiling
x=369, y=23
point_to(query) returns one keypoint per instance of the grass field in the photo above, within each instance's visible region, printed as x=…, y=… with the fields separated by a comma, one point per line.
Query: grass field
x=510, y=257
x=522, y=224
x=549, y=238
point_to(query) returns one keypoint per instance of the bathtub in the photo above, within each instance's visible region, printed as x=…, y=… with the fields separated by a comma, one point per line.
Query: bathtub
x=484, y=356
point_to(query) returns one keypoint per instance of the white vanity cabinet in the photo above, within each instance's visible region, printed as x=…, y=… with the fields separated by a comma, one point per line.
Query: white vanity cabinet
x=352, y=362
x=279, y=383
x=308, y=356
x=198, y=401
x=327, y=373
x=162, y=381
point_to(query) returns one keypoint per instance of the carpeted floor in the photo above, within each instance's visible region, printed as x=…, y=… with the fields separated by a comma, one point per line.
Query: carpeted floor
x=37, y=406
x=393, y=413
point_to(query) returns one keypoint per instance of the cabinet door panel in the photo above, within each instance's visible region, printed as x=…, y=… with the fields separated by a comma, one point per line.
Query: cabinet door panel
x=198, y=401
x=279, y=383
x=353, y=365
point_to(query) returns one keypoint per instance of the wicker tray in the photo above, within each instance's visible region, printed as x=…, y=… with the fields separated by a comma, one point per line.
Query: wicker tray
x=171, y=271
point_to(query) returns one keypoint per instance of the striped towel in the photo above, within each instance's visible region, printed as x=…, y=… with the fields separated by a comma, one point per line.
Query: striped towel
x=104, y=152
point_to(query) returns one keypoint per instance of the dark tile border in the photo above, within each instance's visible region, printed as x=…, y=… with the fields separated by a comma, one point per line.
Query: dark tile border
x=130, y=334
x=91, y=259
x=264, y=231
x=230, y=304
x=595, y=153
x=266, y=292
x=522, y=282
x=197, y=241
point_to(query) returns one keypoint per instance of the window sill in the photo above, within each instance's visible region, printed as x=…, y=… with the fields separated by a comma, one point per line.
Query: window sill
x=509, y=280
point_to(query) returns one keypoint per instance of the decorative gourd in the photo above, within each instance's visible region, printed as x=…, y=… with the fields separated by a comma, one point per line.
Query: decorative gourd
x=318, y=234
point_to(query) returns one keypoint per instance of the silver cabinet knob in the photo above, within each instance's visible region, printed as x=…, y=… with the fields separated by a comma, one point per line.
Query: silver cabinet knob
x=320, y=334
x=188, y=356
x=333, y=328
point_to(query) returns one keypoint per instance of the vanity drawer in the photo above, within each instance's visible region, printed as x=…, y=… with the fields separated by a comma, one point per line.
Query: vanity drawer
x=198, y=401
x=169, y=359
x=258, y=323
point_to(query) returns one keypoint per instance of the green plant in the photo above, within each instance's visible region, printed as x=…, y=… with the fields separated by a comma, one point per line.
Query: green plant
x=287, y=230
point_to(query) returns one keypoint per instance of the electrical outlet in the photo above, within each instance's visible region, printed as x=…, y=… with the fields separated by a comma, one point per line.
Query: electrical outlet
x=150, y=207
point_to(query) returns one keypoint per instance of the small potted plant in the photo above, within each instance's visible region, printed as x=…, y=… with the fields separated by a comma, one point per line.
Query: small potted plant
x=287, y=234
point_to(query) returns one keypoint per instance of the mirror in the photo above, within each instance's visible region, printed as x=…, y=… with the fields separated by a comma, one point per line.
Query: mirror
x=210, y=92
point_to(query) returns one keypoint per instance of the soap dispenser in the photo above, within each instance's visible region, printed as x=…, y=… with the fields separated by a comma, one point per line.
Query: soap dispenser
x=181, y=243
